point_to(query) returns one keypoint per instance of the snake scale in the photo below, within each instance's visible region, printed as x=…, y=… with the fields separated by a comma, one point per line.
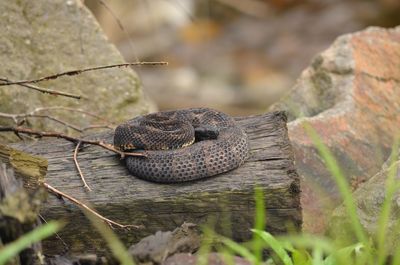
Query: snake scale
x=182, y=145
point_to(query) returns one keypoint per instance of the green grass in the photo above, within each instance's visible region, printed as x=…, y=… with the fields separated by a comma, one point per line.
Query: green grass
x=305, y=249
x=12, y=249
x=116, y=246
x=291, y=249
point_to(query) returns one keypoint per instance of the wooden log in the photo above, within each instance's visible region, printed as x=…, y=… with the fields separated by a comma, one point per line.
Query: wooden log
x=228, y=198
x=19, y=210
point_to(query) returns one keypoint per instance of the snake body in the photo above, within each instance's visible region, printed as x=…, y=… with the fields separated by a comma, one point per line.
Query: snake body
x=182, y=145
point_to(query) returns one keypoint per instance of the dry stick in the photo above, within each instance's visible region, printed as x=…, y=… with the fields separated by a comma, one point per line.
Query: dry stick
x=24, y=116
x=56, y=234
x=122, y=28
x=80, y=204
x=66, y=124
x=96, y=126
x=15, y=117
x=33, y=114
x=74, y=110
x=40, y=89
x=113, y=15
x=85, y=185
x=78, y=71
x=109, y=147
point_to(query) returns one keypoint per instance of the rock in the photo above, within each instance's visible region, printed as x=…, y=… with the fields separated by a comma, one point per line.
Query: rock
x=46, y=37
x=154, y=249
x=350, y=95
x=86, y=259
x=369, y=199
x=213, y=259
x=250, y=61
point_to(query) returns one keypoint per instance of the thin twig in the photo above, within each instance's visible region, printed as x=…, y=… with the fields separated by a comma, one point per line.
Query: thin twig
x=19, y=129
x=40, y=89
x=96, y=126
x=82, y=205
x=66, y=124
x=33, y=114
x=122, y=28
x=75, y=110
x=85, y=185
x=56, y=234
x=15, y=118
x=76, y=72
x=115, y=17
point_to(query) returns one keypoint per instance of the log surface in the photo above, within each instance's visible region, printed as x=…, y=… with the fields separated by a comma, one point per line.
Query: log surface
x=228, y=198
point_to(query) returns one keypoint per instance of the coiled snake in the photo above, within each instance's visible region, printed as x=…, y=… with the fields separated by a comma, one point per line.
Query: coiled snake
x=182, y=145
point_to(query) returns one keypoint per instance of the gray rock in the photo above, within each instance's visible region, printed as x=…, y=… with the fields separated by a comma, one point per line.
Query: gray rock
x=212, y=259
x=39, y=38
x=369, y=199
x=154, y=249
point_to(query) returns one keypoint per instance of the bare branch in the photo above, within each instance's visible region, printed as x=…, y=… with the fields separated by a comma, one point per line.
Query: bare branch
x=66, y=124
x=40, y=89
x=19, y=129
x=85, y=185
x=33, y=114
x=96, y=126
x=75, y=110
x=84, y=206
x=115, y=17
x=76, y=72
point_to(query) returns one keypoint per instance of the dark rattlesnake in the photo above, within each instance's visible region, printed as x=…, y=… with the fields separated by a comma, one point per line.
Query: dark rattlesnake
x=182, y=145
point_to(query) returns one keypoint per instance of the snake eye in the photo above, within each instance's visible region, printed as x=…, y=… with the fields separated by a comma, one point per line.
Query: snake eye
x=127, y=146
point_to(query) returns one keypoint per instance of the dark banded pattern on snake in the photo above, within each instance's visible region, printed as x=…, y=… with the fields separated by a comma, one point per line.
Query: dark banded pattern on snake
x=219, y=144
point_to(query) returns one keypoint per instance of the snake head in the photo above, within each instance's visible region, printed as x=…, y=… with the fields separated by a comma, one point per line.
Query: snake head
x=206, y=132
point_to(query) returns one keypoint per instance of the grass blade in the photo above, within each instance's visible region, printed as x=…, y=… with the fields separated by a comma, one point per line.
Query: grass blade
x=304, y=241
x=239, y=249
x=205, y=248
x=317, y=256
x=259, y=223
x=341, y=181
x=344, y=255
x=12, y=249
x=391, y=187
x=117, y=248
x=275, y=245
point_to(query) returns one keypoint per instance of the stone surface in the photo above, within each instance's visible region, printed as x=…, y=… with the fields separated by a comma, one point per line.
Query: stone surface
x=369, y=199
x=154, y=249
x=213, y=259
x=40, y=38
x=350, y=95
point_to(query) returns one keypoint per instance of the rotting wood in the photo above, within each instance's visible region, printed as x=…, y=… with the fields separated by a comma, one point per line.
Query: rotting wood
x=29, y=167
x=19, y=210
x=227, y=198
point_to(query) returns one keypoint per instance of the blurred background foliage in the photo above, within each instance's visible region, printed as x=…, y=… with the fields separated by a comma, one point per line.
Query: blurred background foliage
x=235, y=55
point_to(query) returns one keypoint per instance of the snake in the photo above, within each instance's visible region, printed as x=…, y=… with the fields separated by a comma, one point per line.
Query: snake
x=182, y=145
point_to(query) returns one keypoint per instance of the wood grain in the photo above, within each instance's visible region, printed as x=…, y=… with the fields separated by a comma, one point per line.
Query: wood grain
x=228, y=199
